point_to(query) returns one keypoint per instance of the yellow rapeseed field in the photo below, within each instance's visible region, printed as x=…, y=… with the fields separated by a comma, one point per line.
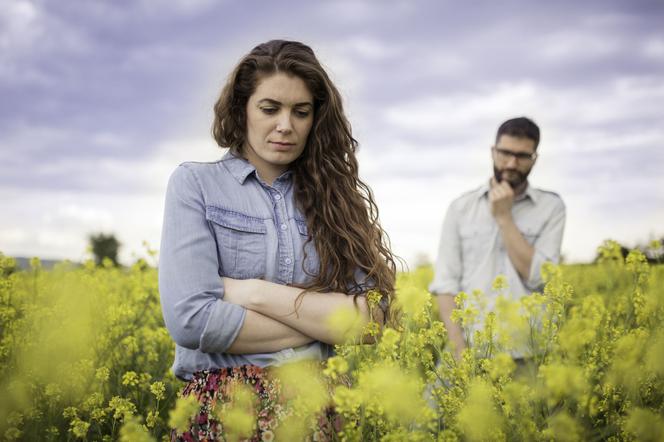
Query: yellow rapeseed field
x=84, y=355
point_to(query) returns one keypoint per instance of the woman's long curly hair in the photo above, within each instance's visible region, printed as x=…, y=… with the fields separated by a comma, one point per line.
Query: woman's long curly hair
x=339, y=208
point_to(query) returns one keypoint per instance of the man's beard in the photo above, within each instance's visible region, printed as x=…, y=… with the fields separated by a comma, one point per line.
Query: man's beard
x=516, y=179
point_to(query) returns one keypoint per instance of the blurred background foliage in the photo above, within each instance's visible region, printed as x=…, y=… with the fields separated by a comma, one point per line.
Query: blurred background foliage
x=84, y=355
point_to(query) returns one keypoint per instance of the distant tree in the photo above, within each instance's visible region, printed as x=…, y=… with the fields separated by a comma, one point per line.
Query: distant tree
x=104, y=246
x=654, y=250
x=611, y=249
x=7, y=265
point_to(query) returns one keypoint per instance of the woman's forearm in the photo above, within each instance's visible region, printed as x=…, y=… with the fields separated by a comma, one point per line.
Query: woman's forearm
x=261, y=334
x=314, y=310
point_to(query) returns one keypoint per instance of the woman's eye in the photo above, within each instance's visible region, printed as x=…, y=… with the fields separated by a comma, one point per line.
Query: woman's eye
x=269, y=110
x=302, y=113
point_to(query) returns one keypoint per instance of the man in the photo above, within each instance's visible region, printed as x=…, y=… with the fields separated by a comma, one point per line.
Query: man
x=505, y=227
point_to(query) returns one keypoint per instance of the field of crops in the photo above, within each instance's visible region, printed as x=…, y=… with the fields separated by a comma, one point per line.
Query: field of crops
x=84, y=355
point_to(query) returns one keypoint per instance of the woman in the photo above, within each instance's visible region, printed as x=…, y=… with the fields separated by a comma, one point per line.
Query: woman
x=282, y=211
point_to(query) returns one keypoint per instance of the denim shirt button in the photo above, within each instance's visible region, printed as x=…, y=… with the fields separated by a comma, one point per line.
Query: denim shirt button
x=288, y=260
x=284, y=227
x=277, y=197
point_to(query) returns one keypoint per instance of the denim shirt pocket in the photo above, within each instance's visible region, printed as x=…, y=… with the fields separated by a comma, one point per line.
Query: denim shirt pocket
x=310, y=261
x=241, y=242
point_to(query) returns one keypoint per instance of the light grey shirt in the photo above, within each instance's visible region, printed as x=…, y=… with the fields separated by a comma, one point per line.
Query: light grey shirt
x=472, y=254
x=221, y=219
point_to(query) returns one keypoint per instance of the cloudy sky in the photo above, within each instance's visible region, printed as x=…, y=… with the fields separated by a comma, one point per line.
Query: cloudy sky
x=100, y=100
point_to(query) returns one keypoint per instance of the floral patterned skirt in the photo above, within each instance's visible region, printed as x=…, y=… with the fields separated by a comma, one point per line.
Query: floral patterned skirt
x=213, y=388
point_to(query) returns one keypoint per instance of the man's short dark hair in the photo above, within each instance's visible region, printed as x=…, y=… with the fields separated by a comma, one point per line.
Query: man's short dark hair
x=520, y=127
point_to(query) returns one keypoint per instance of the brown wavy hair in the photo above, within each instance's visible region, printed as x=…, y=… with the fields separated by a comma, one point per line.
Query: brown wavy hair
x=339, y=208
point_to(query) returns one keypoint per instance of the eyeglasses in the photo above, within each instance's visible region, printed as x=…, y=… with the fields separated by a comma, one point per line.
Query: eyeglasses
x=505, y=155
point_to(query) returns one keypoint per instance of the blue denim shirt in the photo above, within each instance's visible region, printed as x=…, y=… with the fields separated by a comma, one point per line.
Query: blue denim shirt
x=221, y=219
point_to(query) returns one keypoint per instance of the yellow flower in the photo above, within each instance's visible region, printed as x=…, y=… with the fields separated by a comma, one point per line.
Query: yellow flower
x=413, y=301
x=79, y=428
x=562, y=427
x=346, y=324
x=158, y=389
x=399, y=394
x=562, y=381
x=335, y=367
x=501, y=366
x=303, y=385
x=185, y=409
x=371, y=328
x=645, y=425
x=121, y=407
x=500, y=283
x=13, y=433
x=478, y=419
x=133, y=431
x=130, y=379
x=374, y=297
x=238, y=414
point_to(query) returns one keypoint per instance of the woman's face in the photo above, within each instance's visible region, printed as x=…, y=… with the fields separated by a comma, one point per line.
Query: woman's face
x=280, y=114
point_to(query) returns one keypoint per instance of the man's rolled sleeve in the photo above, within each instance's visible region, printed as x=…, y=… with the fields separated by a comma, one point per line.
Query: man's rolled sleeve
x=547, y=246
x=190, y=285
x=448, y=267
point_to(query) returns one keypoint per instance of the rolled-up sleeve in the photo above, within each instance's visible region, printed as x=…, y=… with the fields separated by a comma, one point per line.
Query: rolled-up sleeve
x=448, y=267
x=547, y=245
x=190, y=285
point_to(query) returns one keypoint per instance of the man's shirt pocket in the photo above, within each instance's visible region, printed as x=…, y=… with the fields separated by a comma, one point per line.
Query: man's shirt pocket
x=530, y=232
x=476, y=243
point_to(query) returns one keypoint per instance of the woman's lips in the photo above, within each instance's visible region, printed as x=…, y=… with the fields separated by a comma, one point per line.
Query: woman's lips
x=282, y=145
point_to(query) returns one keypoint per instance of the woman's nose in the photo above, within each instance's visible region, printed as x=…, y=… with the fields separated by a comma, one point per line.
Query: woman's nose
x=284, y=123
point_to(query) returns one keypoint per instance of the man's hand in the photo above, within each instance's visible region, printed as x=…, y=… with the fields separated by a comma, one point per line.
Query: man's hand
x=520, y=252
x=501, y=198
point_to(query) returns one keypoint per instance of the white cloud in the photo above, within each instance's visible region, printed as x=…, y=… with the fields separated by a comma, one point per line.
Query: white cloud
x=371, y=48
x=187, y=7
x=625, y=99
x=654, y=48
x=18, y=24
x=454, y=113
x=572, y=45
x=29, y=33
x=363, y=11
x=56, y=224
x=76, y=215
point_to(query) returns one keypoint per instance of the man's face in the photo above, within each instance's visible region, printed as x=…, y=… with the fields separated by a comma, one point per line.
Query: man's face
x=513, y=158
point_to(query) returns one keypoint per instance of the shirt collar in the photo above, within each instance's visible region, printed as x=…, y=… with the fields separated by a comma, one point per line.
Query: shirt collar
x=528, y=193
x=241, y=168
x=238, y=166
